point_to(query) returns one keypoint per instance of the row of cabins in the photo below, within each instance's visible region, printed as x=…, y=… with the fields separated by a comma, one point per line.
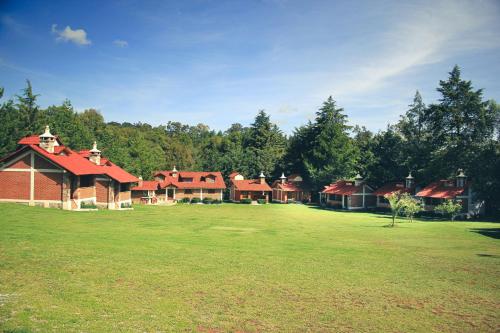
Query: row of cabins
x=42, y=171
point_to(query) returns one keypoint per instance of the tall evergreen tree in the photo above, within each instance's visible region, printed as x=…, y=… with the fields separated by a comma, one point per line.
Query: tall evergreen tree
x=334, y=154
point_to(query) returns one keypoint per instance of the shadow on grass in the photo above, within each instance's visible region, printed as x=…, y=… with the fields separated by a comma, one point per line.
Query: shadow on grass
x=488, y=232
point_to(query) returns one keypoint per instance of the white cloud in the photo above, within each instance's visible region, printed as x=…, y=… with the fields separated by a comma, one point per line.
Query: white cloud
x=120, y=43
x=77, y=36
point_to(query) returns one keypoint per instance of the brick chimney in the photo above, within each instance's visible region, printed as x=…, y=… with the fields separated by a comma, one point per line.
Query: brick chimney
x=283, y=178
x=461, y=178
x=47, y=140
x=409, y=181
x=174, y=172
x=262, y=177
x=95, y=154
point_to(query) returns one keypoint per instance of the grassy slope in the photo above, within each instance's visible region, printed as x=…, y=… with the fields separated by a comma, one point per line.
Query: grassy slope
x=243, y=268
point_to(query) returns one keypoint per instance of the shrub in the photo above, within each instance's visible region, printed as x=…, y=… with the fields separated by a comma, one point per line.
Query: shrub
x=261, y=201
x=126, y=205
x=450, y=208
x=184, y=200
x=88, y=205
x=290, y=201
x=411, y=206
x=207, y=201
x=305, y=201
x=195, y=200
x=216, y=202
x=246, y=201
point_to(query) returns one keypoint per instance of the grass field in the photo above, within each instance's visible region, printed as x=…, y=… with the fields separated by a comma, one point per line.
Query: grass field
x=238, y=268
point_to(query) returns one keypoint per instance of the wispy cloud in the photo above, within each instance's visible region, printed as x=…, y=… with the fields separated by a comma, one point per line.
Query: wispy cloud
x=120, y=43
x=77, y=36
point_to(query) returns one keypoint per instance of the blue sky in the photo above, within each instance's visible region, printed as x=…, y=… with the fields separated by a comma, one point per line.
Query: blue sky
x=219, y=62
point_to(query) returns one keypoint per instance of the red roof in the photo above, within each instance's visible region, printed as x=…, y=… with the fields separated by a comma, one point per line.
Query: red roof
x=250, y=185
x=342, y=187
x=76, y=163
x=197, y=179
x=147, y=185
x=33, y=140
x=391, y=188
x=444, y=189
x=290, y=186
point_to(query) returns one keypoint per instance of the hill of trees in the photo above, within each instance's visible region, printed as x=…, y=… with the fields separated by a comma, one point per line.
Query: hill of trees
x=460, y=130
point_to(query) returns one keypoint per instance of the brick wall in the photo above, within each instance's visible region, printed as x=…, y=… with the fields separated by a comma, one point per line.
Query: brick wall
x=356, y=201
x=41, y=163
x=85, y=192
x=15, y=185
x=101, y=191
x=48, y=186
x=24, y=163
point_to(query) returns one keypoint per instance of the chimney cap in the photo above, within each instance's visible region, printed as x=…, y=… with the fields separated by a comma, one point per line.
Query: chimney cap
x=461, y=173
x=140, y=178
x=174, y=169
x=262, y=175
x=282, y=176
x=47, y=133
x=94, y=148
x=358, y=177
x=409, y=176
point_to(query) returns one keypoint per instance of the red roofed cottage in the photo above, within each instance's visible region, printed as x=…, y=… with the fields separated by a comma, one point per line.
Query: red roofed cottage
x=44, y=172
x=253, y=189
x=458, y=189
x=408, y=186
x=290, y=189
x=348, y=194
x=173, y=185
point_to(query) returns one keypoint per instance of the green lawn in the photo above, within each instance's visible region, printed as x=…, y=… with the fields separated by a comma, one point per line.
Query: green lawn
x=228, y=268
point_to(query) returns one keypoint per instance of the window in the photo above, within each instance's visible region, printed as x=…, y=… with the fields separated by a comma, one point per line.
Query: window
x=86, y=181
x=211, y=191
x=188, y=191
x=125, y=187
x=334, y=197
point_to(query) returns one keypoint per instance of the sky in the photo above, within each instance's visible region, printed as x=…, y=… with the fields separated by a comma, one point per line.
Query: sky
x=219, y=62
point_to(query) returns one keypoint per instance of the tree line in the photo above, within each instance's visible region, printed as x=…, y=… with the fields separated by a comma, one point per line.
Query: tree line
x=460, y=130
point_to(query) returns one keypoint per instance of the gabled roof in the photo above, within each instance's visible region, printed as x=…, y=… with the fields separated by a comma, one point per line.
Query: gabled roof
x=343, y=187
x=34, y=140
x=442, y=189
x=250, y=185
x=198, y=179
x=393, y=187
x=147, y=185
x=76, y=163
x=290, y=186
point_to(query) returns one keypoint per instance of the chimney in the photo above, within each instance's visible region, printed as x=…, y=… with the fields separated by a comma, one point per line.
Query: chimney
x=140, y=182
x=358, y=180
x=47, y=140
x=409, y=181
x=262, y=178
x=461, y=177
x=174, y=172
x=283, y=178
x=95, y=154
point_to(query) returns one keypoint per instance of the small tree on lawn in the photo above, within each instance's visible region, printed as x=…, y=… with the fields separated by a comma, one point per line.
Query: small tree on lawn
x=449, y=208
x=396, y=203
x=411, y=206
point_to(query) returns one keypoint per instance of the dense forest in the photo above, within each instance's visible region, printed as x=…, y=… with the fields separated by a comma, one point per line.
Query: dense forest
x=460, y=130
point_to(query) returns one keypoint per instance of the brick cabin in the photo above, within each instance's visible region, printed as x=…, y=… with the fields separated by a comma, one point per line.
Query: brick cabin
x=348, y=194
x=406, y=186
x=458, y=189
x=173, y=185
x=253, y=189
x=290, y=189
x=42, y=171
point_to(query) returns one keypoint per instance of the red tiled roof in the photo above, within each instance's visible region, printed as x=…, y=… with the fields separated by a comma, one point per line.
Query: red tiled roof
x=290, y=186
x=76, y=163
x=147, y=185
x=250, y=185
x=391, y=188
x=198, y=179
x=34, y=140
x=444, y=189
x=342, y=187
